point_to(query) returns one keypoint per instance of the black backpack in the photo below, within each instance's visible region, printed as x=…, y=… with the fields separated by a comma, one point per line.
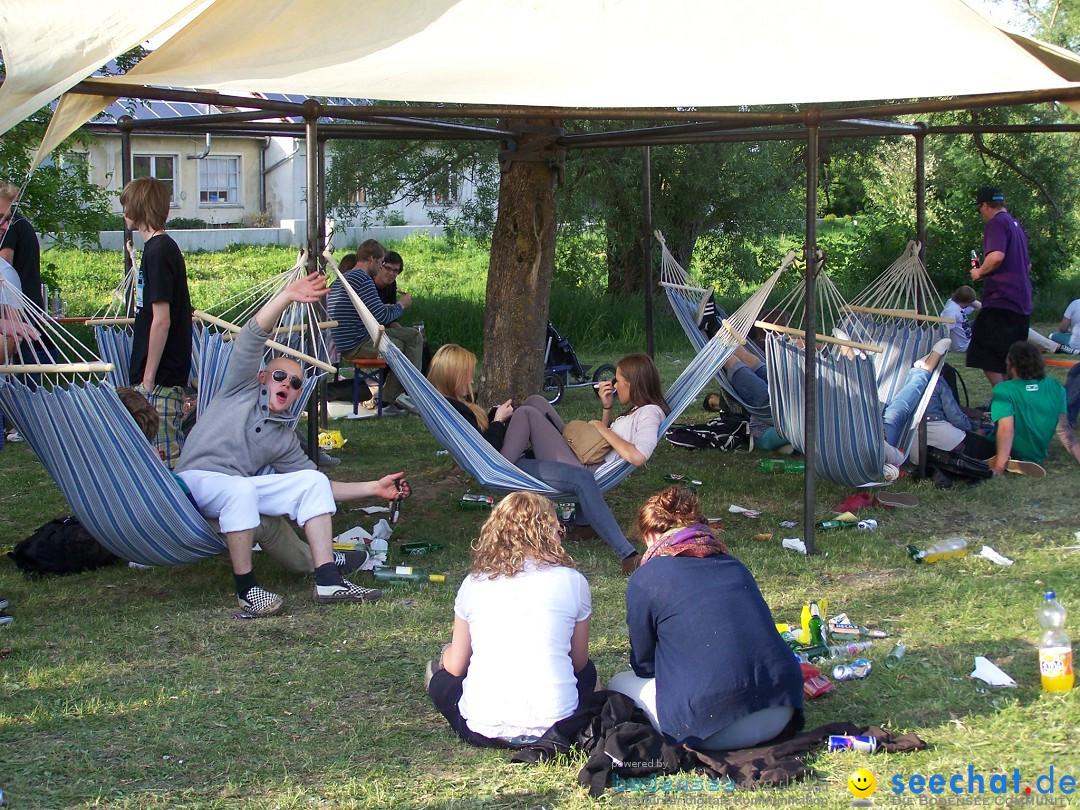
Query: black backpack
x=62, y=546
x=727, y=431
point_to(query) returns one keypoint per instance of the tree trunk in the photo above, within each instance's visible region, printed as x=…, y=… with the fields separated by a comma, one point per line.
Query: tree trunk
x=519, y=275
x=626, y=272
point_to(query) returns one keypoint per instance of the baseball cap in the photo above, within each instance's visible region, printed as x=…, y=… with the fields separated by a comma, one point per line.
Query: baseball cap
x=989, y=194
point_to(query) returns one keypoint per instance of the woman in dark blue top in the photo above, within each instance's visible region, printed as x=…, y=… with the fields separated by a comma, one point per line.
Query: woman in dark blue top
x=709, y=667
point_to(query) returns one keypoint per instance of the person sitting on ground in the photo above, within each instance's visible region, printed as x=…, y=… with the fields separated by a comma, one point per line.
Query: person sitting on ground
x=1028, y=408
x=351, y=336
x=274, y=534
x=708, y=667
x=245, y=428
x=518, y=661
x=960, y=307
x=632, y=436
x=1052, y=344
x=451, y=373
x=1068, y=334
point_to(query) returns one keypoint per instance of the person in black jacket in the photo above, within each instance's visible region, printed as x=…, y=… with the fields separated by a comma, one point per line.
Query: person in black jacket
x=452, y=370
x=709, y=668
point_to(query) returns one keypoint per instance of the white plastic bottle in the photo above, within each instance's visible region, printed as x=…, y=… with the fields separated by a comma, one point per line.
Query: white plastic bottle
x=1055, y=649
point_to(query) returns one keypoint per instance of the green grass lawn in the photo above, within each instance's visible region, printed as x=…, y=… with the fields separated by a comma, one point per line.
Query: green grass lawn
x=124, y=688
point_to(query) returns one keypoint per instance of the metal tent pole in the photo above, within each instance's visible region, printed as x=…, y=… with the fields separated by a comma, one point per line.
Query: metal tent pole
x=126, y=172
x=314, y=245
x=646, y=248
x=810, y=353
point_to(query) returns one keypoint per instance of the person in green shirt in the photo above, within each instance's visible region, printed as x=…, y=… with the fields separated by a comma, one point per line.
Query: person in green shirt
x=1028, y=408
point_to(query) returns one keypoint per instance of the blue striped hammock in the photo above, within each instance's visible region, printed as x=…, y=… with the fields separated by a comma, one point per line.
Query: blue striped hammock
x=482, y=461
x=688, y=303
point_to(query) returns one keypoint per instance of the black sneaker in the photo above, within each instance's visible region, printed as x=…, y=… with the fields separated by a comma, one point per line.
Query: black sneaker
x=347, y=592
x=349, y=562
x=3, y=604
x=260, y=602
x=6, y=618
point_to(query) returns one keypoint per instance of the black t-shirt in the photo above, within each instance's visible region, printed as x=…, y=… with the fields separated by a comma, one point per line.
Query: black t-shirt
x=388, y=294
x=163, y=277
x=22, y=239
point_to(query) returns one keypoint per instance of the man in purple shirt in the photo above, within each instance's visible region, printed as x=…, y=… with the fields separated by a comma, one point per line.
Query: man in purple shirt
x=1006, y=275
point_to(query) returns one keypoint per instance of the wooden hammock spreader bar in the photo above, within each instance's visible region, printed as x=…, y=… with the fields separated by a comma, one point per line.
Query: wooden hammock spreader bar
x=787, y=330
x=109, y=321
x=685, y=288
x=898, y=313
x=302, y=327
x=273, y=344
x=739, y=339
x=59, y=368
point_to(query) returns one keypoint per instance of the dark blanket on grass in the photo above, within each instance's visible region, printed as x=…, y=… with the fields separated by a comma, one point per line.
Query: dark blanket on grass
x=619, y=740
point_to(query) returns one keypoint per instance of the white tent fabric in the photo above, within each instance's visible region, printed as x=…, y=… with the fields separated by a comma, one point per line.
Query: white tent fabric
x=571, y=53
x=50, y=46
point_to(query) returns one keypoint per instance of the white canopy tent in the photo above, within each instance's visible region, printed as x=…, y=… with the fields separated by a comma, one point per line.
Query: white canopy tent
x=630, y=54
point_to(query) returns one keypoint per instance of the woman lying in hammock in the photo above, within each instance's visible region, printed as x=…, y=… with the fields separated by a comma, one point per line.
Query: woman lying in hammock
x=632, y=436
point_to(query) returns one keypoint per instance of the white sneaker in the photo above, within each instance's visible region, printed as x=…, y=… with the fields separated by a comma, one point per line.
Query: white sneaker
x=14, y=436
x=943, y=346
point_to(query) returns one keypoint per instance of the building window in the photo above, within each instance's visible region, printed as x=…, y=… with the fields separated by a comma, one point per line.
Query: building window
x=359, y=196
x=445, y=187
x=219, y=181
x=160, y=167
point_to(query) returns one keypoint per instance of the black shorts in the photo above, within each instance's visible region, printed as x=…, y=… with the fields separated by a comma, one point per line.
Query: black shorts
x=994, y=331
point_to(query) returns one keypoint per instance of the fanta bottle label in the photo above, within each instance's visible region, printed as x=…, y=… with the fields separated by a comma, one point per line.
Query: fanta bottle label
x=1056, y=669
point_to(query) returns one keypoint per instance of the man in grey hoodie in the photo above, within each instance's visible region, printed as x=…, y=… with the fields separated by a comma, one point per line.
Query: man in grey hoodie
x=245, y=428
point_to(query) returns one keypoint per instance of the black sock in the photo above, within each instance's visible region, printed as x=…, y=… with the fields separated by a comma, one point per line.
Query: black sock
x=244, y=583
x=328, y=574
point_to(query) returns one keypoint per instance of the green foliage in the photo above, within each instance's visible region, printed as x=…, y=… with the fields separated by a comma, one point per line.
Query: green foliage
x=187, y=223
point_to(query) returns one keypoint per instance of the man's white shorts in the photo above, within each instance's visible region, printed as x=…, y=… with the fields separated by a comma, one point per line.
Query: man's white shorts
x=237, y=501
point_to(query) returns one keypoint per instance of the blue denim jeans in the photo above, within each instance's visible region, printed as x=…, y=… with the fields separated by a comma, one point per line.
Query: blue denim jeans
x=904, y=404
x=592, y=508
x=750, y=384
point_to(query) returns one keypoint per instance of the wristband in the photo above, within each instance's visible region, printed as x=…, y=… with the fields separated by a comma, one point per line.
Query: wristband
x=607, y=407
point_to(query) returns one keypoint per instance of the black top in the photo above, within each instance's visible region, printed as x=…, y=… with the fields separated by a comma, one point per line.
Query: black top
x=163, y=277
x=22, y=239
x=701, y=627
x=388, y=294
x=496, y=430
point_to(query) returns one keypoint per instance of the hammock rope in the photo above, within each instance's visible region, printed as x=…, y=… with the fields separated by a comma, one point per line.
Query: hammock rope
x=899, y=310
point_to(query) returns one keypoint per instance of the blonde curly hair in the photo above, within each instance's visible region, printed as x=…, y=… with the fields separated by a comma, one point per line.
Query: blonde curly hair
x=522, y=527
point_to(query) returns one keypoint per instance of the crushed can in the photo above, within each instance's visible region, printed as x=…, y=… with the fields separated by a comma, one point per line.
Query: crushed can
x=470, y=501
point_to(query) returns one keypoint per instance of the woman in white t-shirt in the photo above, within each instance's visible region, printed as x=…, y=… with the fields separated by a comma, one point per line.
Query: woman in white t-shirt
x=518, y=661
x=1068, y=333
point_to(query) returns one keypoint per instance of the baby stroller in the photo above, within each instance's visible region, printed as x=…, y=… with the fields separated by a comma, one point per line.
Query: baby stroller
x=563, y=370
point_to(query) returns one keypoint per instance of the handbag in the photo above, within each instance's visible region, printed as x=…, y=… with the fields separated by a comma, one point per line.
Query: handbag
x=586, y=441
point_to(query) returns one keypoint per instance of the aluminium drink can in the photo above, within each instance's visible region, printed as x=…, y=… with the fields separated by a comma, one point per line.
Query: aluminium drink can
x=863, y=743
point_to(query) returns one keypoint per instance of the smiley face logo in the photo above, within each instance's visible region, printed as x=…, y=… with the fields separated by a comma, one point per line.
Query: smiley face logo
x=862, y=784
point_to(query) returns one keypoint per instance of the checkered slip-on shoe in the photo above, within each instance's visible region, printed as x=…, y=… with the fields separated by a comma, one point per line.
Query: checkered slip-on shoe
x=349, y=561
x=260, y=602
x=331, y=594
